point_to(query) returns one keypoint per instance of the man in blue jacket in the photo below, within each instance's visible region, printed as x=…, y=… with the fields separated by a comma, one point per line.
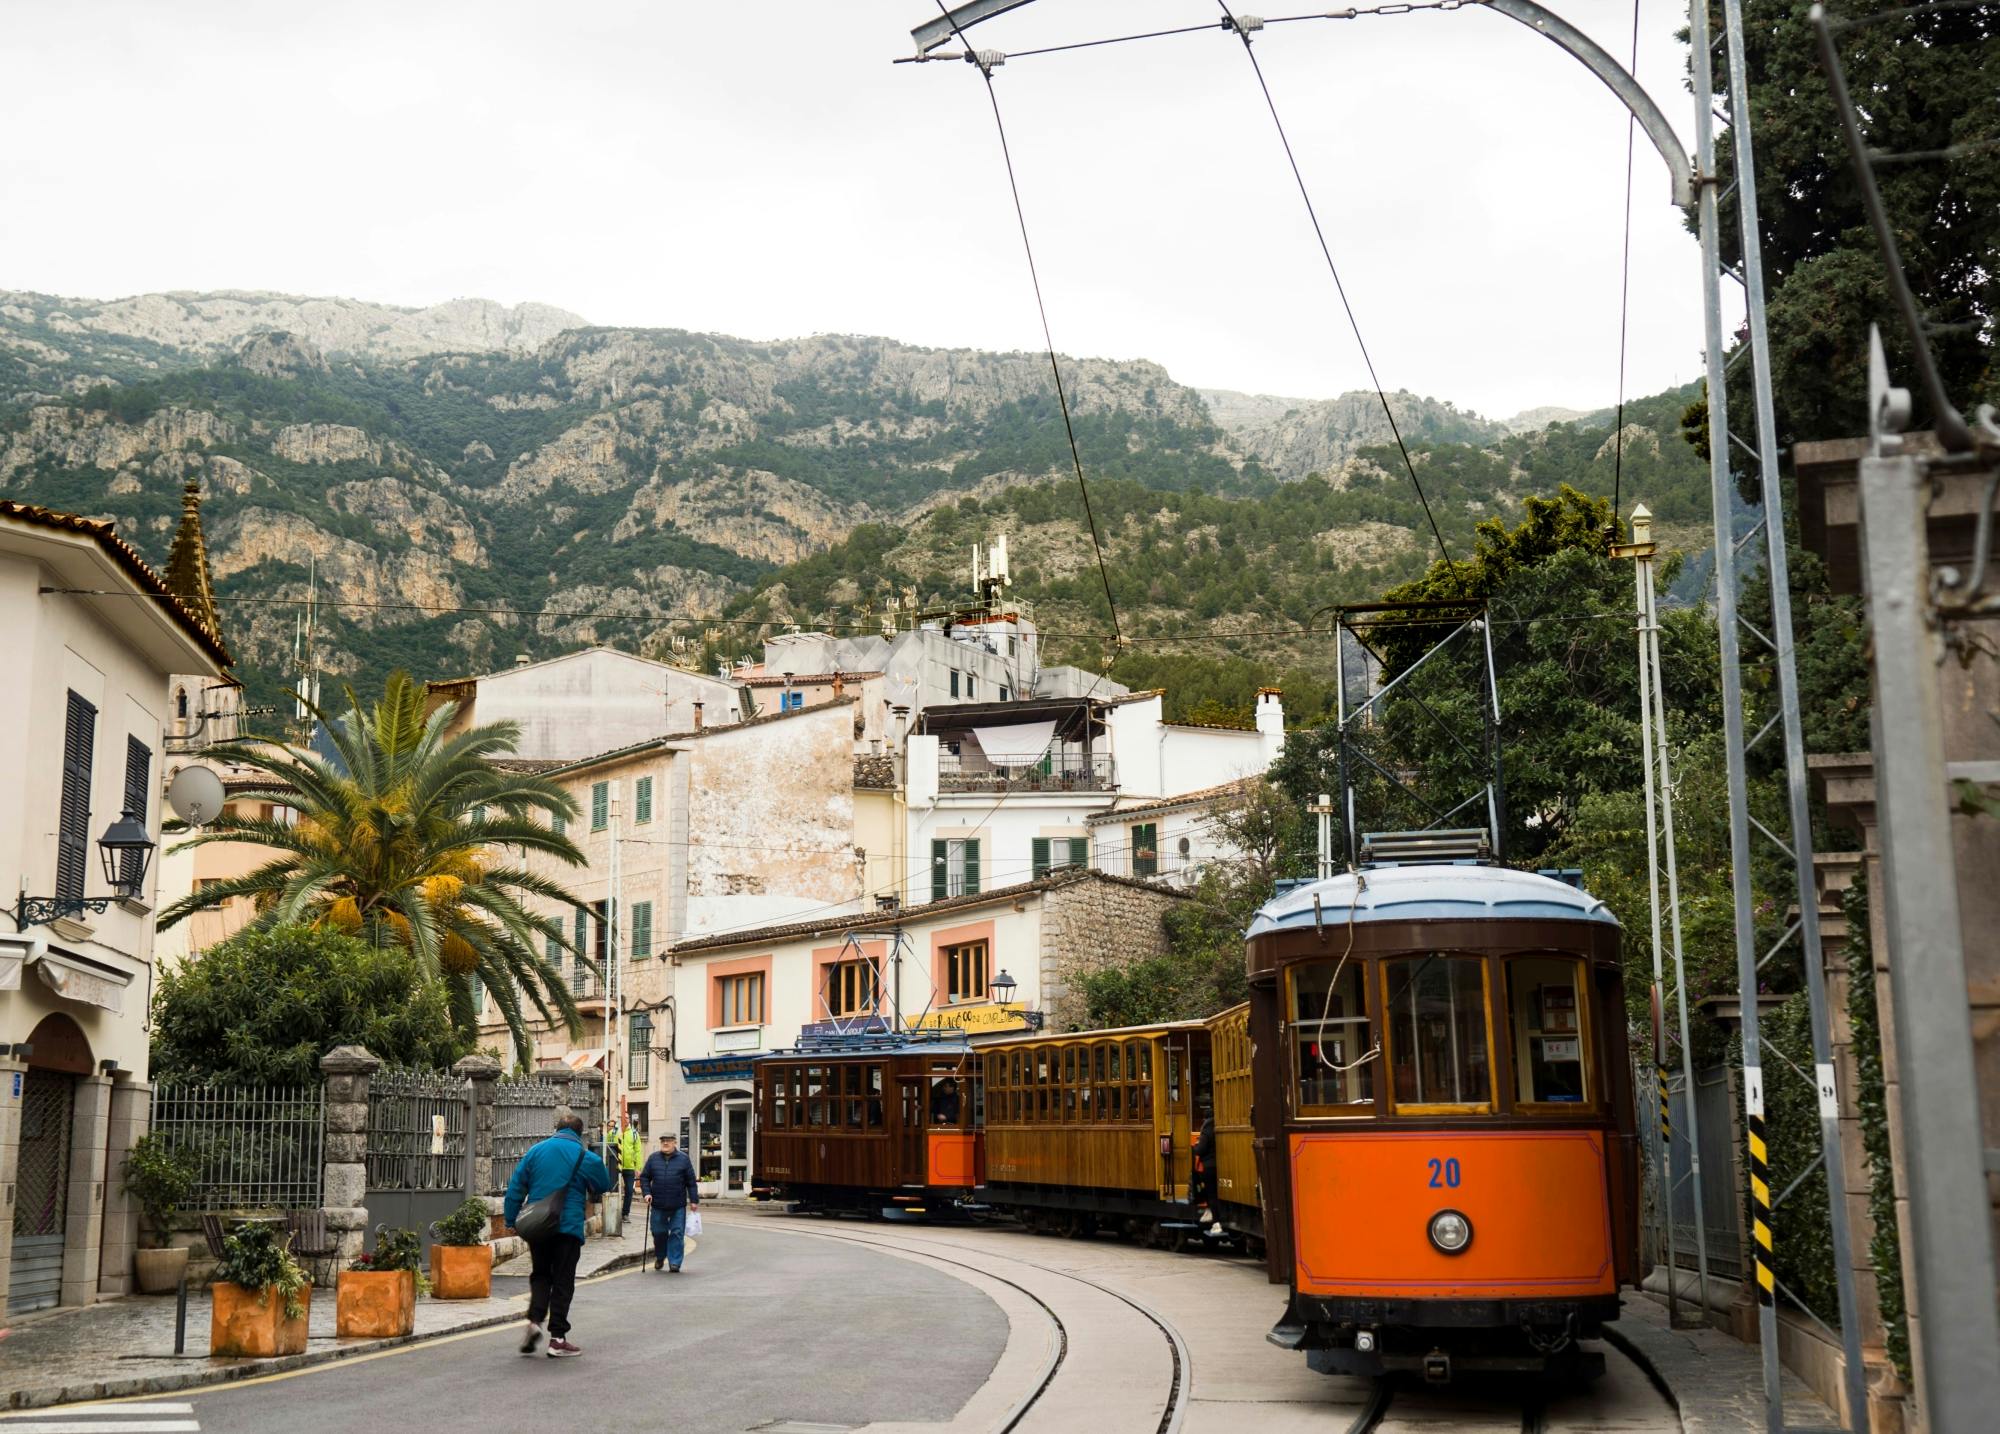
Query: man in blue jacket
x=558, y=1164
x=668, y=1183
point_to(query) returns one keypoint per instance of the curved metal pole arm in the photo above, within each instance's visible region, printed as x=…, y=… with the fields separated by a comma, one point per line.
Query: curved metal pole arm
x=961, y=17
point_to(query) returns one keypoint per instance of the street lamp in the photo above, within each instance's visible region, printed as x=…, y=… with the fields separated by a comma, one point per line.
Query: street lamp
x=123, y=839
x=1003, y=987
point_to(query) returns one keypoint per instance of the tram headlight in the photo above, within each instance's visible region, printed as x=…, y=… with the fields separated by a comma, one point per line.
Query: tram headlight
x=1451, y=1232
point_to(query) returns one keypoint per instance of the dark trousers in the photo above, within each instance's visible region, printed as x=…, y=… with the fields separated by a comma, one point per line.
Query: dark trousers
x=552, y=1281
x=625, y=1210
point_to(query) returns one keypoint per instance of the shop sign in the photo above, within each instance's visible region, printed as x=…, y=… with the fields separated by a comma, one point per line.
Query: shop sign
x=846, y=1026
x=991, y=1016
x=716, y=1068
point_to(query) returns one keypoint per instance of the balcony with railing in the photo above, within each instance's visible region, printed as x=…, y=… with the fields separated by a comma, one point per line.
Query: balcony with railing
x=969, y=771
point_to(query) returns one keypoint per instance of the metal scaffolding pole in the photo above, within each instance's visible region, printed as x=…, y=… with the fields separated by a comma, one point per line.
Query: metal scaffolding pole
x=1779, y=640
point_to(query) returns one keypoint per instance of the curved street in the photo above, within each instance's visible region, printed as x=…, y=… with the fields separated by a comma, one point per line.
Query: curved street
x=781, y=1323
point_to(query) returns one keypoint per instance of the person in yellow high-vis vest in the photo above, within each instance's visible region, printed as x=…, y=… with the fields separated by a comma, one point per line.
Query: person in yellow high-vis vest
x=630, y=1154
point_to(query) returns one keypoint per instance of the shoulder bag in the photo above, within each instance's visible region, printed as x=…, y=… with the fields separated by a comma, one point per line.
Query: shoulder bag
x=543, y=1218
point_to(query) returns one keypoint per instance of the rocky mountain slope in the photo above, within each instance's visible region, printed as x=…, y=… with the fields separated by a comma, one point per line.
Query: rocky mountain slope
x=426, y=467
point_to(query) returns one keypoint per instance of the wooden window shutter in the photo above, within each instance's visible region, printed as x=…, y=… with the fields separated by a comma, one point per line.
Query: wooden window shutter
x=642, y=800
x=73, y=826
x=972, y=868
x=600, y=806
x=1079, y=851
x=940, y=856
x=138, y=781
x=1039, y=866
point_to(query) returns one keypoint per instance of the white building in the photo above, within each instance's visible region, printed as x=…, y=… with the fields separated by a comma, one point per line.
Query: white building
x=596, y=700
x=89, y=636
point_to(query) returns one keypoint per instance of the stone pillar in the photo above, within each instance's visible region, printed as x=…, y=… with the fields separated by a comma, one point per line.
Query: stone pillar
x=131, y=1116
x=11, y=1071
x=344, y=1179
x=483, y=1072
x=83, y=1227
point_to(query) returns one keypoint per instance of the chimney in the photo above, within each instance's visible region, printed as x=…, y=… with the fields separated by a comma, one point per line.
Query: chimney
x=697, y=716
x=839, y=684
x=522, y=660
x=1271, y=712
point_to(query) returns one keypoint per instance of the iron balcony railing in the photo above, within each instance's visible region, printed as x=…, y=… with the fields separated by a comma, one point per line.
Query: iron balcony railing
x=1076, y=773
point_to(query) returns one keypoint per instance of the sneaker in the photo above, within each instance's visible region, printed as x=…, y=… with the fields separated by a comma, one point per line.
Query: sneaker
x=673, y=1269
x=531, y=1339
x=563, y=1349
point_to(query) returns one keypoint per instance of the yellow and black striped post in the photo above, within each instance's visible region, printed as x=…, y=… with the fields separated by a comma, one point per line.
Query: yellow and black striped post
x=1666, y=1118
x=1760, y=1206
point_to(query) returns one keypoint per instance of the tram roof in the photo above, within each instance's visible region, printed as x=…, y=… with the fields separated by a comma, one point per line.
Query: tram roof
x=1440, y=892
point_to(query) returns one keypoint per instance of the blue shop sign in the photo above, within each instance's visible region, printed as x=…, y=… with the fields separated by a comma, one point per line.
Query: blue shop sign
x=848, y=1026
x=716, y=1068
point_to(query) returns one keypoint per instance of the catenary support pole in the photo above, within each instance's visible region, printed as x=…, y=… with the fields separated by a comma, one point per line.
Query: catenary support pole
x=1659, y=720
x=1721, y=484
x=1641, y=549
x=1942, y=1144
x=1854, y=1373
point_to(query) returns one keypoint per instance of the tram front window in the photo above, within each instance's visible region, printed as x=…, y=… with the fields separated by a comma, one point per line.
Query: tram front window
x=1546, y=1027
x=1437, y=1031
x=1333, y=1041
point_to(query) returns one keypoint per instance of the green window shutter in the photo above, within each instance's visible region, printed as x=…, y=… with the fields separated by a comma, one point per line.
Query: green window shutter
x=642, y=929
x=552, y=948
x=1079, y=851
x=582, y=931
x=600, y=806
x=939, y=856
x=1039, y=865
x=138, y=784
x=972, y=868
x=1145, y=850
x=559, y=824
x=73, y=820
x=642, y=800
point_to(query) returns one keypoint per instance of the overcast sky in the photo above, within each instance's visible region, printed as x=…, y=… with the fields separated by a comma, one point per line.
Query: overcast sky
x=758, y=167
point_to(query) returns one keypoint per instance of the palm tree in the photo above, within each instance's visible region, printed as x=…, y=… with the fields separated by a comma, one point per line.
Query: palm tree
x=400, y=838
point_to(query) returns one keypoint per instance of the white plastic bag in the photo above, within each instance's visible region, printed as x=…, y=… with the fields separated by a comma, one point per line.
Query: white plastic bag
x=693, y=1222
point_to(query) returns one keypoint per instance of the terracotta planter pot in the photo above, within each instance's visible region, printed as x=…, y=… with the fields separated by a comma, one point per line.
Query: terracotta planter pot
x=461, y=1272
x=159, y=1271
x=252, y=1323
x=375, y=1304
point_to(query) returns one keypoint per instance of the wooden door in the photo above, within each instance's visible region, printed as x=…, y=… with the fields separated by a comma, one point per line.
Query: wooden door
x=911, y=1101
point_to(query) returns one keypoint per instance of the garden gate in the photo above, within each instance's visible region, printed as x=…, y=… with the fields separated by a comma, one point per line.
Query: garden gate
x=419, y=1147
x=42, y=1185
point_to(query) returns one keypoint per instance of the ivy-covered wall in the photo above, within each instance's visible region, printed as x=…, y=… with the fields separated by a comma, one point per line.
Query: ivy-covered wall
x=1885, y=1250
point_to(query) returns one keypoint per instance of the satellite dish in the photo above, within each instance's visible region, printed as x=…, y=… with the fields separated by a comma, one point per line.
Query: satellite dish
x=195, y=794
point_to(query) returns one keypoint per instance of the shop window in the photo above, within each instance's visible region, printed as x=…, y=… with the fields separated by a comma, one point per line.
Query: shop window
x=742, y=999
x=851, y=988
x=1333, y=1042
x=1545, y=1024
x=1437, y=1031
x=965, y=972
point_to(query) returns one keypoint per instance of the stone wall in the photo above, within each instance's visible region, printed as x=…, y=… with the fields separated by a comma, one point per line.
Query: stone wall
x=1093, y=923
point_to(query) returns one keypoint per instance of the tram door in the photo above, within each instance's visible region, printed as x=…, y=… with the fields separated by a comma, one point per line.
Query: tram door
x=911, y=1093
x=1179, y=1116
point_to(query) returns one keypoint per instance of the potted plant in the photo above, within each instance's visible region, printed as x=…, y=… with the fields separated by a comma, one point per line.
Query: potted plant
x=461, y=1260
x=162, y=1179
x=262, y=1296
x=376, y=1296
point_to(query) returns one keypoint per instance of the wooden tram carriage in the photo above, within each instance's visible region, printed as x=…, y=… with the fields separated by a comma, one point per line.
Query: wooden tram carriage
x=1444, y=1119
x=870, y=1124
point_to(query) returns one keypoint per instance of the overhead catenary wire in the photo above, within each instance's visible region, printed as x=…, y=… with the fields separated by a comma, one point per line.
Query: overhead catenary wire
x=1042, y=308
x=1326, y=251
x=1624, y=294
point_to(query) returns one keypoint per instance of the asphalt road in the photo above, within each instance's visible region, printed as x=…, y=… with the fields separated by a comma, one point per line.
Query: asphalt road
x=760, y=1326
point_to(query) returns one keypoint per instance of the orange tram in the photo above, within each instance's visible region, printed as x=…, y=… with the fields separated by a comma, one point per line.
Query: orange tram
x=1422, y=1121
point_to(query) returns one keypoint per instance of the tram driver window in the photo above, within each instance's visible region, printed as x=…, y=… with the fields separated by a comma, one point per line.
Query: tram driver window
x=1332, y=1038
x=1437, y=1030
x=1551, y=1064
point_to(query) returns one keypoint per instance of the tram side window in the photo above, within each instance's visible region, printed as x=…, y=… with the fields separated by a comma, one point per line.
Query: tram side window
x=1437, y=1030
x=1551, y=1061
x=852, y=1082
x=1332, y=1038
x=815, y=1096
x=780, y=1091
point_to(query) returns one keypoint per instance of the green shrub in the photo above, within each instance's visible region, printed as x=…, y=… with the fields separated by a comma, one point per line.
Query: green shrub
x=162, y=1179
x=259, y=1257
x=1885, y=1249
x=469, y=1224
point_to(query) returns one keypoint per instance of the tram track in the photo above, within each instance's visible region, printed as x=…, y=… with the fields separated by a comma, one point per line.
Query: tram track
x=1175, y=1409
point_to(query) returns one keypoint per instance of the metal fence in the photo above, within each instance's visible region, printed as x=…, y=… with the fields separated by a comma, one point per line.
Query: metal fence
x=523, y=1113
x=256, y=1147
x=417, y=1130
x=1720, y=1206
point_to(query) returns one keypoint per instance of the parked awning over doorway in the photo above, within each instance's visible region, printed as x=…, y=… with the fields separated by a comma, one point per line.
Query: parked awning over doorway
x=578, y=1060
x=78, y=978
x=1018, y=745
x=10, y=969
